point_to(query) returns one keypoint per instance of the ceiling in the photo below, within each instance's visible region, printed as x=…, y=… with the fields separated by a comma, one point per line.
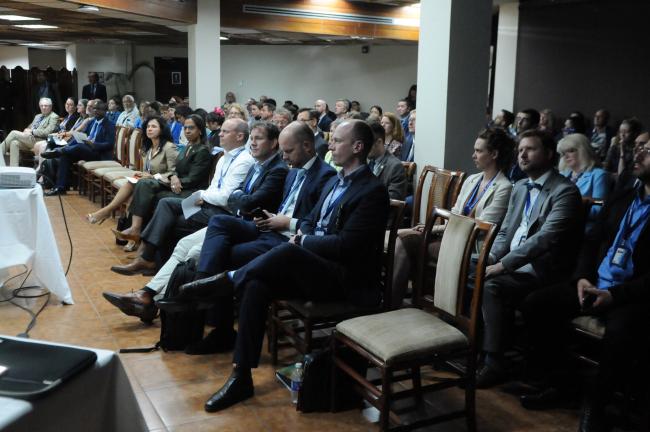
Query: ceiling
x=119, y=27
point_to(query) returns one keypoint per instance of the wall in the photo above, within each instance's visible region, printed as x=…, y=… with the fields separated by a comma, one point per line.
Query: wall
x=585, y=56
x=143, y=79
x=44, y=58
x=102, y=58
x=306, y=73
x=13, y=56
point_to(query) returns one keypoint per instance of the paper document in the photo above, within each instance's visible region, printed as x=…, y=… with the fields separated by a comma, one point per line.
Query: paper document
x=60, y=141
x=189, y=205
x=80, y=137
x=133, y=180
x=158, y=177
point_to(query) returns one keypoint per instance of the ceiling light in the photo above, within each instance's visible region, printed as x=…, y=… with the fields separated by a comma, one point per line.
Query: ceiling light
x=87, y=8
x=18, y=18
x=32, y=44
x=223, y=38
x=36, y=26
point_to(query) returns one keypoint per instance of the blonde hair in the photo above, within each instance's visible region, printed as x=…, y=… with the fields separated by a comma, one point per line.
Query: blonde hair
x=398, y=132
x=579, y=143
x=239, y=108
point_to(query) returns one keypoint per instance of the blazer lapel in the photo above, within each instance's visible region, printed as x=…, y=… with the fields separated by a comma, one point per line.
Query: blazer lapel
x=541, y=199
x=519, y=202
x=289, y=182
x=347, y=196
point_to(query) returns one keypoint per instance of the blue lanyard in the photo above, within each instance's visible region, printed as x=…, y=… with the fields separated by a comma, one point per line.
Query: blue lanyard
x=93, y=130
x=334, y=200
x=474, y=199
x=249, y=183
x=294, y=190
x=630, y=226
x=528, y=208
x=223, y=173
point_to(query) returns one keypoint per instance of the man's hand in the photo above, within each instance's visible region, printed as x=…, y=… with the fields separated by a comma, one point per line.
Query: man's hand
x=494, y=270
x=199, y=202
x=295, y=239
x=582, y=285
x=273, y=223
x=603, y=297
x=176, y=185
x=28, y=131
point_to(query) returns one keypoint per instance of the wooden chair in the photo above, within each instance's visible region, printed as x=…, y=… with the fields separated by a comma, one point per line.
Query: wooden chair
x=135, y=163
x=444, y=188
x=284, y=314
x=86, y=168
x=441, y=328
x=409, y=169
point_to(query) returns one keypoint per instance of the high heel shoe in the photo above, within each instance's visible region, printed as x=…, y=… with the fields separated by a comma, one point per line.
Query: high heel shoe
x=94, y=220
x=122, y=236
x=132, y=246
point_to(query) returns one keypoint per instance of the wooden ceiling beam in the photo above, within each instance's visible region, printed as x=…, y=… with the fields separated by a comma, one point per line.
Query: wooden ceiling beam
x=182, y=12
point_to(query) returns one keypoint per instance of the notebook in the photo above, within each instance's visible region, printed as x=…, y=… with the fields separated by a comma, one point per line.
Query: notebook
x=31, y=370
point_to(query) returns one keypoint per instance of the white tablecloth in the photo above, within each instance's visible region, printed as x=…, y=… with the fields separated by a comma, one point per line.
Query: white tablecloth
x=99, y=399
x=26, y=239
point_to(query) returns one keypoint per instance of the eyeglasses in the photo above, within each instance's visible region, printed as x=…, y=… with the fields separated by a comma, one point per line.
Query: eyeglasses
x=642, y=152
x=189, y=127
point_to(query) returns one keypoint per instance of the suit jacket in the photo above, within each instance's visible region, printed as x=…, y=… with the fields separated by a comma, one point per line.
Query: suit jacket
x=46, y=126
x=320, y=145
x=193, y=167
x=493, y=204
x=104, y=138
x=325, y=122
x=392, y=175
x=355, y=235
x=601, y=237
x=406, y=148
x=164, y=161
x=316, y=178
x=266, y=191
x=594, y=183
x=100, y=92
x=554, y=231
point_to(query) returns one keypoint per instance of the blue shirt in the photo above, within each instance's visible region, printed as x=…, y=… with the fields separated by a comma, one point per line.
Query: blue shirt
x=112, y=116
x=614, y=270
x=333, y=198
x=176, y=129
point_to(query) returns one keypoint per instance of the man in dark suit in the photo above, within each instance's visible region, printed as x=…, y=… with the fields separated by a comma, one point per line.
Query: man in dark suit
x=611, y=282
x=98, y=146
x=336, y=255
x=94, y=89
x=262, y=186
x=325, y=116
x=384, y=165
x=231, y=242
x=310, y=118
x=536, y=245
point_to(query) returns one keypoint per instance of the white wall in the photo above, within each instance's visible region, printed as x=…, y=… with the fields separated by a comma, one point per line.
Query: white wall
x=306, y=73
x=102, y=58
x=13, y=56
x=143, y=79
x=44, y=58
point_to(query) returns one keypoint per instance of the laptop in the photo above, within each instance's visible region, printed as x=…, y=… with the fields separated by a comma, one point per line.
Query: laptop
x=30, y=370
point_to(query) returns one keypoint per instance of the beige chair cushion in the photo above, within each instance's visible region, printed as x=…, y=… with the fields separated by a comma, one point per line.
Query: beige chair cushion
x=99, y=164
x=114, y=175
x=402, y=334
x=100, y=172
x=590, y=324
x=118, y=183
x=450, y=260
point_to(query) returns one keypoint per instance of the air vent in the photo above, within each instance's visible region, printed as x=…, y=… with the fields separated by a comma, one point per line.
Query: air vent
x=301, y=13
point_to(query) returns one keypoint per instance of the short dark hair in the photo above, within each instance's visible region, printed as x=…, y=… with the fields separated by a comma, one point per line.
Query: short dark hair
x=165, y=133
x=272, y=131
x=101, y=105
x=534, y=116
x=377, y=130
x=508, y=117
x=203, y=113
x=361, y=131
x=547, y=140
x=213, y=117
x=381, y=112
x=200, y=124
x=498, y=140
x=271, y=101
x=269, y=106
x=347, y=103
x=313, y=114
x=183, y=111
x=635, y=126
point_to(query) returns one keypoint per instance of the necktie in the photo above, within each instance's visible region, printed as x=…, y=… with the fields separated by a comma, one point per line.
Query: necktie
x=530, y=186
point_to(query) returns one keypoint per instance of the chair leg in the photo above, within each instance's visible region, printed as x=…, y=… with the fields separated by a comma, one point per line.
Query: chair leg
x=273, y=336
x=333, y=383
x=416, y=377
x=384, y=412
x=470, y=392
x=308, y=336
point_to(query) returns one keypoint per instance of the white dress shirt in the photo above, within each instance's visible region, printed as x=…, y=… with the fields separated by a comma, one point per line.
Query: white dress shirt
x=127, y=118
x=288, y=207
x=228, y=175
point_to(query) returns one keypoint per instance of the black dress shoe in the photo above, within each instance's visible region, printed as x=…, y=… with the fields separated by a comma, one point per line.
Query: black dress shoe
x=548, y=398
x=490, y=376
x=51, y=154
x=55, y=191
x=219, y=285
x=217, y=341
x=132, y=305
x=239, y=387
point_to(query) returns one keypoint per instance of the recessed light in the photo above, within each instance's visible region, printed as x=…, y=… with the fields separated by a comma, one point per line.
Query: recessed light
x=87, y=8
x=18, y=18
x=36, y=26
x=223, y=38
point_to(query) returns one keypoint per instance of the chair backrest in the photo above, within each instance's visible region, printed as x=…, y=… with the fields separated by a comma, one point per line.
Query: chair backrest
x=133, y=150
x=439, y=195
x=118, y=150
x=454, y=268
x=213, y=167
x=394, y=222
x=457, y=180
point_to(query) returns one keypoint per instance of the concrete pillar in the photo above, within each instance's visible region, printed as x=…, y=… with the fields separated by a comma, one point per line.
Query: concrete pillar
x=506, y=61
x=453, y=73
x=204, y=56
x=71, y=57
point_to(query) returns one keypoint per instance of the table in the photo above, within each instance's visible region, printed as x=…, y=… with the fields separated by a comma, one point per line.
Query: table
x=27, y=240
x=99, y=399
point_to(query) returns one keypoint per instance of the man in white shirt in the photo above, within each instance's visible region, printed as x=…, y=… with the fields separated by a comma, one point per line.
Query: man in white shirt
x=130, y=114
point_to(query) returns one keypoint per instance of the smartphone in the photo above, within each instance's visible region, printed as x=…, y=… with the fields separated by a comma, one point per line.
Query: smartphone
x=588, y=301
x=259, y=213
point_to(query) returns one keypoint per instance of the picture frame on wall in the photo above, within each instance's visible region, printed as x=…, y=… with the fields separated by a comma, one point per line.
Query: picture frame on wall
x=176, y=78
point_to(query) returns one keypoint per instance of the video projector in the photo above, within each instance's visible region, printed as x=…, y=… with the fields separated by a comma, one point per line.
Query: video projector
x=17, y=178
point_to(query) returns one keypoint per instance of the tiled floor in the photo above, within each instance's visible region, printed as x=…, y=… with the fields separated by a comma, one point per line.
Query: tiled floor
x=172, y=387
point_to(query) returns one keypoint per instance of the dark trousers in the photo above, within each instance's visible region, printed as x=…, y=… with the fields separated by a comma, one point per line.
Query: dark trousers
x=231, y=242
x=169, y=224
x=70, y=154
x=147, y=193
x=547, y=314
x=502, y=296
x=286, y=271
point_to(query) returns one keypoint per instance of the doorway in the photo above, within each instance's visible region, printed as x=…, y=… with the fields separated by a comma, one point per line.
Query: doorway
x=171, y=78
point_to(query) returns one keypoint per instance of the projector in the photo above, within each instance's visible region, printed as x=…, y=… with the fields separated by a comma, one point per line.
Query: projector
x=17, y=178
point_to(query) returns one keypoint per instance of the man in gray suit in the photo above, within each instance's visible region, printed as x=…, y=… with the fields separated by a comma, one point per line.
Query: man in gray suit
x=384, y=165
x=535, y=247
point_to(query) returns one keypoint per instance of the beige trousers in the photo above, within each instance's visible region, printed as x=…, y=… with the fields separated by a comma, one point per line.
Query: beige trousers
x=14, y=143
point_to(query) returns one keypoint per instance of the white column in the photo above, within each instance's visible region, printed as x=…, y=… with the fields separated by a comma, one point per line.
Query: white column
x=204, y=56
x=506, y=61
x=453, y=72
x=71, y=57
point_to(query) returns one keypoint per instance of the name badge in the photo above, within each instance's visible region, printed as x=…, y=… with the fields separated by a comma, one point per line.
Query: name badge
x=319, y=231
x=522, y=239
x=621, y=256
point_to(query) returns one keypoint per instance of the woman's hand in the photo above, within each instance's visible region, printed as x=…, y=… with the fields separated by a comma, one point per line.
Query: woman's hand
x=176, y=185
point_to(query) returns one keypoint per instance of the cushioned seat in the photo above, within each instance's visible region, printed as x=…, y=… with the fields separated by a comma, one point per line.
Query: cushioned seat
x=118, y=183
x=114, y=175
x=385, y=334
x=92, y=165
x=99, y=172
x=590, y=324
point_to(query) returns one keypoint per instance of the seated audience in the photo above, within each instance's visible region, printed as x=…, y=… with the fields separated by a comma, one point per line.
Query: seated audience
x=266, y=112
x=387, y=167
x=68, y=122
x=341, y=108
x=130, y=114
x=43, y=124
x=214, y=121
x=98, y=146
x=325, y=116
x=408, y=147
x=483, y=195
x=579, y=164
x=536, y=245
x=336, y=255
x=181, y=113
x=527, y=119
x=547, y=122
x=254, y=112
x=394, y=134
x=237, y=111
x=376, y=111
x=159, y=155
x=575, y=124
x=191, y=173
x=601, y=134
x=230, y=99
x=328, y=156
x=504, y=120
x=412, y=96
x=282, y=117
x=114, y=110
x=310, y=118
x=611, y=283
x=620, y=156
x=147, y=109
x=403, y=110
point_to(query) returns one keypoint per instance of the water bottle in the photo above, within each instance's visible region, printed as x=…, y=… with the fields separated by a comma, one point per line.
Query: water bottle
x=296, y=381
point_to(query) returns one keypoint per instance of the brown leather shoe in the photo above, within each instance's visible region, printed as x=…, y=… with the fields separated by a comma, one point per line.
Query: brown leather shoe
x=139, y=304
x=138, y=266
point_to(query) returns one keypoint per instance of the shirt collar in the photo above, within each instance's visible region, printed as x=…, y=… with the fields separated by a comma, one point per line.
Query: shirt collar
x=309, y=164
x=234, y=152
x=265, y=162
x=381, y=158
x=351, y=176
x=541, y=179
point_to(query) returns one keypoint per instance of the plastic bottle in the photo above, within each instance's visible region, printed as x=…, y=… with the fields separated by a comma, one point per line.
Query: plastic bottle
x=296, y=381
